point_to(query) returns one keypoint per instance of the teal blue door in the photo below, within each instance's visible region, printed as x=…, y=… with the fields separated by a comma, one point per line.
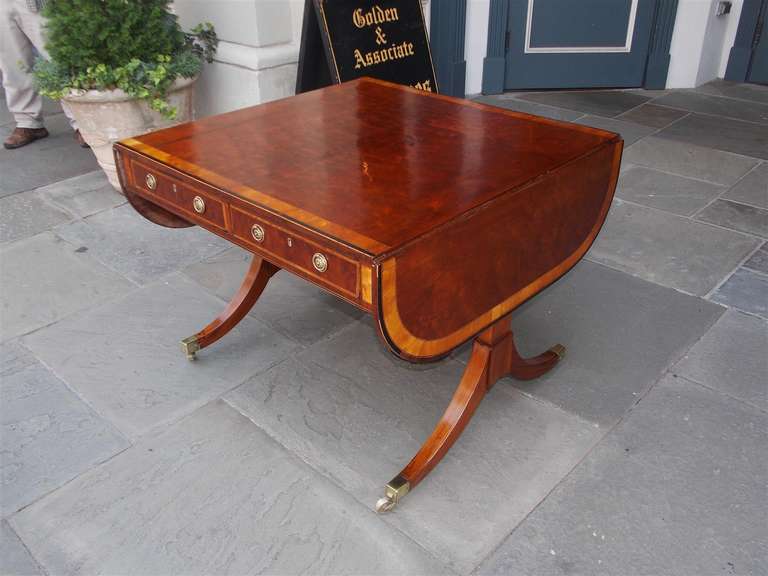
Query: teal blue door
x=748, y=60
x=758, y=68
x=577, y=43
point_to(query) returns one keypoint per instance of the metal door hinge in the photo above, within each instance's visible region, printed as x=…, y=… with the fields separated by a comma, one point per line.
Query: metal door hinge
x=723, y=8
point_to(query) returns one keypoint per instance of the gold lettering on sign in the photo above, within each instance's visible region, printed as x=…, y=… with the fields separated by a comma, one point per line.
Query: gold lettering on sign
x=397, y=52
x=375, y=15
x=372, y=18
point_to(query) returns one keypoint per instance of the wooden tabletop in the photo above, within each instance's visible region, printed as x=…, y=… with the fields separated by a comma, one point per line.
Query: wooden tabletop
x=372, y=164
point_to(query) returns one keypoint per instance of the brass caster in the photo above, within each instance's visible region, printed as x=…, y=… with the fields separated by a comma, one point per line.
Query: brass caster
x=393, y=493
x=385, y=504
x=559, y=350
x=190, y=346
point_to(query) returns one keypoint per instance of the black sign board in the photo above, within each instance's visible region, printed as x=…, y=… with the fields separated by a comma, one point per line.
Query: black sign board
x=345, y=39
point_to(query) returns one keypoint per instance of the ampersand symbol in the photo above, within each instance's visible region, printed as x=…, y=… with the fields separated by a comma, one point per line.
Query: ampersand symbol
x=381, y=38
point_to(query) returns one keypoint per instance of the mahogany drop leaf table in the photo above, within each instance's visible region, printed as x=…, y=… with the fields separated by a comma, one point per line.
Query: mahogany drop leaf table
x=437, y=216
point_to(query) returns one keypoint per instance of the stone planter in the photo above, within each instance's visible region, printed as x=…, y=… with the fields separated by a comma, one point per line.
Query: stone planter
x=104, y=117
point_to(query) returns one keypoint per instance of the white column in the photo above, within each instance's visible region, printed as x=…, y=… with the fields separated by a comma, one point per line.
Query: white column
x=732, y=25
x=257, y=55
x=700, y=42
x=476, y=43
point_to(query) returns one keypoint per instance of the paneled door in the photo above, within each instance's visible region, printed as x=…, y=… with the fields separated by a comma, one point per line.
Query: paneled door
x=758, y=68
x=577, y=43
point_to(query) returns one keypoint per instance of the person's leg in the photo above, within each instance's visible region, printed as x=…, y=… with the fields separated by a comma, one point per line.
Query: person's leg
x=31, y=24
x=16, y=58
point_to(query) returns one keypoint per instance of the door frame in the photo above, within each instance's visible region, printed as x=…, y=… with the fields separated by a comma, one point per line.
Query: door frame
x=656, y=67
x=447, y=27
x=741, y=53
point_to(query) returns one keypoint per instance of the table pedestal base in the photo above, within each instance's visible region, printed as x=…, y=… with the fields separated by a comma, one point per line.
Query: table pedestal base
x=494, y=356
x=253, y=285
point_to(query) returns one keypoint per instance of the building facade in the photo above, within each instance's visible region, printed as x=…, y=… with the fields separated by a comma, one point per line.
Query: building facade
x=490, y=45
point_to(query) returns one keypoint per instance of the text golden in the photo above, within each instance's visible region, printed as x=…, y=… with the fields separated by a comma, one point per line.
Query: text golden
x=375, y=15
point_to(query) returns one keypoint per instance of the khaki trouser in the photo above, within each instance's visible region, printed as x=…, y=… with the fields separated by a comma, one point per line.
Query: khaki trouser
x=20, y=35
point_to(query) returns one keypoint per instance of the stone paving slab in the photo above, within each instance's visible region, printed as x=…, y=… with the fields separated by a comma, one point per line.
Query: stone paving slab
x=503, y=101
x=347, y=381
x=668, y=192
x=736, y=216
x=752, y=189
x=15, y=559
x=46, y=279
x=689, y=160
x=720, y=133
x=712, y=104
x=652, y=115
x=83, y=195
x=621, y=333
x=46, y=161
x=358, y=415
x=138, y=249
x=212, y=495
x=745, y=290
x=678, y=488
x=759, y=260
x=290, y=305
x=668, y=249
x=737, y=90
x=629, y=131
x=602, y=103
x=48, y=435
x=732, y=357
x=26, y=214
x=124, y=357
x=195, y=493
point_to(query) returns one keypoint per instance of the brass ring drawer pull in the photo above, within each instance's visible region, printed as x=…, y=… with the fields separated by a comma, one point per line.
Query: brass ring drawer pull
x=257, y=232
x=150, y=181
x=198, y=204
x=320, y=262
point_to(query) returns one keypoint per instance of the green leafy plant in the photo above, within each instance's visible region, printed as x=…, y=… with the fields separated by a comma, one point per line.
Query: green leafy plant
x=134, y=45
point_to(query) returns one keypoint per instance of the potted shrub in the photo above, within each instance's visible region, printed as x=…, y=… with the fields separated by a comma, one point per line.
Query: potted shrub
x=123, y=68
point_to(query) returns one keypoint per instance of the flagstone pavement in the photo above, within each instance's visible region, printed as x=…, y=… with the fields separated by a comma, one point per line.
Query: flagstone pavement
x=644, y=452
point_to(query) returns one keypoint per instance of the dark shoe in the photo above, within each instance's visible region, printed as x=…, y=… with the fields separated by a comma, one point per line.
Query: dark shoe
x=80, y=140
x=23, y=136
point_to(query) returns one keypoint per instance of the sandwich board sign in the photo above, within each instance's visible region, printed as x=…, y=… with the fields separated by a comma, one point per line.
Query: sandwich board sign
x=346, y=39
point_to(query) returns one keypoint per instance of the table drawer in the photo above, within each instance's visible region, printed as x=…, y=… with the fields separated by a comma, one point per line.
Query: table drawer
x=152, y=181
x=202, y=205
x=299, y=253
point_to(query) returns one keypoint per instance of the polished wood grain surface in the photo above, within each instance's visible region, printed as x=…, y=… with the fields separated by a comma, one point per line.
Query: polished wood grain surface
x=437, y=293
x=436, y=214
x=368, y=159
